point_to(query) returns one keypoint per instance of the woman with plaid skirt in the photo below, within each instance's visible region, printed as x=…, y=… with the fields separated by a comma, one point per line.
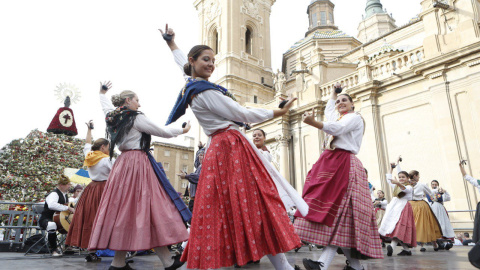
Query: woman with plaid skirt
x=336, y=190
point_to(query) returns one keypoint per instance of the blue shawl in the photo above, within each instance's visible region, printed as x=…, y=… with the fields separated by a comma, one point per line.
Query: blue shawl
x=172, y=193
x=192, y=88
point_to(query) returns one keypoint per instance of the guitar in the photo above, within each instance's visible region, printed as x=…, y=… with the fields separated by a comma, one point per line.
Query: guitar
x=63, y=219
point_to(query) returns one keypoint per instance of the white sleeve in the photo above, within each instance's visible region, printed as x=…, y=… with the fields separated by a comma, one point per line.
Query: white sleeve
x=446, y=197
x=330, y=112
x=180, y=60
x=427, y=191
x=229, y=109
x=389, y=180
x=384, y=204
x=107, y=105
x=87, y=148
x=399, y=169
x=143, y=124
x=408, y=189
x=472, y=181
x=52, y=202
x=346, y=124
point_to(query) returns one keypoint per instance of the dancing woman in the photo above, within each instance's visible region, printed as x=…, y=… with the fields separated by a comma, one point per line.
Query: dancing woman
x=436, y=203
x=99, y=165
x=398, y=224
x=428, y=228
x=139, y=210
x=239, y=216
x=336, y=190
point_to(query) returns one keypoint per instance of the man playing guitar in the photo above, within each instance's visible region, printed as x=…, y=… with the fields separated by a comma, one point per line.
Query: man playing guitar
x=56, y=201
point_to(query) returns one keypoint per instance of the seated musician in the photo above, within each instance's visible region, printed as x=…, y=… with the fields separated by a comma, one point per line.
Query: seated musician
x=56, y=201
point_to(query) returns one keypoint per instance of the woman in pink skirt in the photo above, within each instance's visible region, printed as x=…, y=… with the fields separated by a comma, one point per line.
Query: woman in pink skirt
x=398, y=224
x=99, y=165
x=239, y=215
x=139, y=210
x=336, y=190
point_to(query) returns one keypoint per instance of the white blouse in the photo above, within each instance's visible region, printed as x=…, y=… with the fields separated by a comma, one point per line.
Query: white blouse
x=419, y=192
x=348, y=131
x=473, y=181
x=215, y=111
x=99, y=172
x=141, y=124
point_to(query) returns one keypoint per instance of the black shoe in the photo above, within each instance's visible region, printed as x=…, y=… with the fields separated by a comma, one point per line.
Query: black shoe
x=348, y=267
x=383, y=245
x=436, y=249
x=389, y=250
x=296, y=267
x=176, y=263
x=126, y=267
x=423, y=249
x=405, y=253
x=312, y=265
x=92, y=257
x=237, y=266
x=448, y=246
x=297, y=249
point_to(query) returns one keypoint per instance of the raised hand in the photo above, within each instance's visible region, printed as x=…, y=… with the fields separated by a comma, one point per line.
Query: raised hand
x=89, y=124
x=308, y=117
x=168, y=35
x=105, y=86
x=187, y=127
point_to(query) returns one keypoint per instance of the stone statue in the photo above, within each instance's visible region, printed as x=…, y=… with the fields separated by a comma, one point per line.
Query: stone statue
x=279, y=82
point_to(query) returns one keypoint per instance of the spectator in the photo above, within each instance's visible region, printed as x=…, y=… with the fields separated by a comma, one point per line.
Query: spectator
x=458, y=239
x=466, y=239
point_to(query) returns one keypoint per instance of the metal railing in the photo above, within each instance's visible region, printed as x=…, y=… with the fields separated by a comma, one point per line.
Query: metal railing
x=18, y=225
x=461, y=221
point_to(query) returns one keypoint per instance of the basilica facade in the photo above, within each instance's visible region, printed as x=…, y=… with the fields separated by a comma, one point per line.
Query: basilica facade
x=415, y=85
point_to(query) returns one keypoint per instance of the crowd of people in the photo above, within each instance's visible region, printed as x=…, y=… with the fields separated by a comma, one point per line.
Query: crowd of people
x=241, y=208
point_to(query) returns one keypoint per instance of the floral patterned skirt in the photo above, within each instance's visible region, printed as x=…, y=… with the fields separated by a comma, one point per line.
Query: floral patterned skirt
x=239, y=215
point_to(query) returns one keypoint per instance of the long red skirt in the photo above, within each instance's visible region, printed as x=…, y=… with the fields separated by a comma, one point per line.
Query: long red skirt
x=85, y=211
x=405, y=229
x=135, y=212
x=354, y=225
x=239, y=215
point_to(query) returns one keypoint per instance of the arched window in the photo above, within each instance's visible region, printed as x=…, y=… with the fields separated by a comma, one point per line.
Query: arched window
x=215, y=43
x=248, y=40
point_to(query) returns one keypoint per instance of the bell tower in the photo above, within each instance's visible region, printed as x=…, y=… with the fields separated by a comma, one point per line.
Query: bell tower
x=239, y=33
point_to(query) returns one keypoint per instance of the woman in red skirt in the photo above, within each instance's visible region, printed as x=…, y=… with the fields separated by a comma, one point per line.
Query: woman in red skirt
x=336, y=190
x=139, y=209
x=239, y=215
x=398, y=224
x=99, y=165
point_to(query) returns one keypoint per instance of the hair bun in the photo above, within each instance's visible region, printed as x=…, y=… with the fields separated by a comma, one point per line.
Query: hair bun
x=117, y=100
x=187, y=68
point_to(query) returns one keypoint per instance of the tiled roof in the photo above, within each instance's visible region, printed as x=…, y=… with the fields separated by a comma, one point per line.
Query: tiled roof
x=320, y=34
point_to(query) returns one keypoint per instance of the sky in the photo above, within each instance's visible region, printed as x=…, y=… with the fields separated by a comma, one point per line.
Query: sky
x=47, y=43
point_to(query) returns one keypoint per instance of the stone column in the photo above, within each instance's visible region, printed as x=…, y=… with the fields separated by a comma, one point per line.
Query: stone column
x=283, y=163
